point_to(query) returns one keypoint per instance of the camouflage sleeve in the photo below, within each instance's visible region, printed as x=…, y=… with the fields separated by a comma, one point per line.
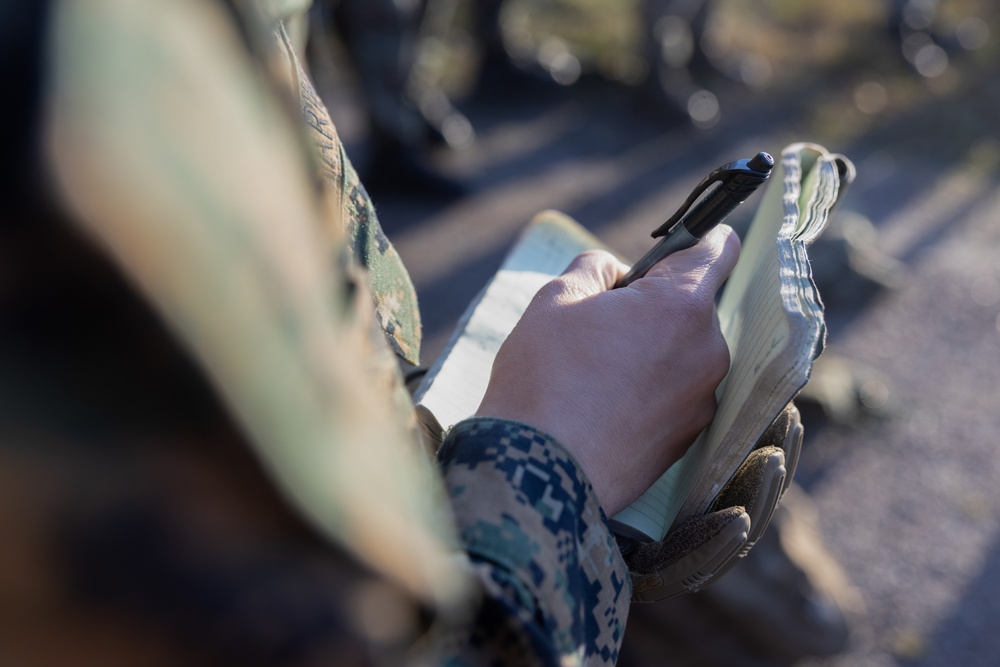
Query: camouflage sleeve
x=555, y=588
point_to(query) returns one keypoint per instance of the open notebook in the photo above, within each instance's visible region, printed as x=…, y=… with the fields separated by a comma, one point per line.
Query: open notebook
x=770, y=313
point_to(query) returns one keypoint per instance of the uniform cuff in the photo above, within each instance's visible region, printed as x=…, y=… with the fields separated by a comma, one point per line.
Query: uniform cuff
x=522, y=504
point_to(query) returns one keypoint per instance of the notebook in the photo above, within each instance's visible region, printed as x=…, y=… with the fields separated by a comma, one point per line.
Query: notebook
x=770, y=313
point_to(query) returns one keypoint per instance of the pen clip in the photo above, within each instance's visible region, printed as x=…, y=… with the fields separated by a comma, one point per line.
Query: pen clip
x=697, y=192
x=735, y=176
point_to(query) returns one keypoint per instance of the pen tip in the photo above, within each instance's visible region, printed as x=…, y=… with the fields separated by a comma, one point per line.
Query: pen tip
x=761, y=162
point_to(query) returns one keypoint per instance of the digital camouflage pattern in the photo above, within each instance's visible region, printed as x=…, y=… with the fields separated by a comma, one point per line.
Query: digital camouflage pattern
x=358, y=246
x=534, y=529
x=395, y=298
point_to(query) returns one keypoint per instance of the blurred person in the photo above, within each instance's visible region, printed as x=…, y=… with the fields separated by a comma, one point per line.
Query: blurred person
x=911, y=26
x=926, y=42
x=673, y=31
x=676, y=67
x=687, y=64
x=406, y=115
x=909, y=17
x=501, y=72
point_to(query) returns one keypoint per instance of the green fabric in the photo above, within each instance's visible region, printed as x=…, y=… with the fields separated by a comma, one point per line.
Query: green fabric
x=395, y=298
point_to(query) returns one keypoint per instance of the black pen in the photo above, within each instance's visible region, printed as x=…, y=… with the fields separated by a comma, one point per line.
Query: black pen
x=734, y=183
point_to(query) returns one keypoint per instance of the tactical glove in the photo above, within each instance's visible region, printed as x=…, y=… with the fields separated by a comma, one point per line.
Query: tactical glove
x=704, y=547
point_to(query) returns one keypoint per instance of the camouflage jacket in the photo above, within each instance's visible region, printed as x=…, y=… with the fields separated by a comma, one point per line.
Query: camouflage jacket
x=186, y=138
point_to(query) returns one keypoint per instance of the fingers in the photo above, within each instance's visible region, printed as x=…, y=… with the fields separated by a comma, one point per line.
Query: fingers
x=709, y=262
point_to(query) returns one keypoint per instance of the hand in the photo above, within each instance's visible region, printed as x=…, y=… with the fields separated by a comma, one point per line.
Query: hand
x=624, y=379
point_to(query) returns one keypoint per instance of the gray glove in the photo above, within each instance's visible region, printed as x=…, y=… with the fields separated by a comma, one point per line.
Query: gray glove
x=703, y=548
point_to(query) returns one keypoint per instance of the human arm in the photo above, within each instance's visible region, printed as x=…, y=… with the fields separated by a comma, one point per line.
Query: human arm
x=525, y=508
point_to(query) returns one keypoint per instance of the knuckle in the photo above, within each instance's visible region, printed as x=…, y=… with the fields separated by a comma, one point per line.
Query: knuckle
x=595, y=254
x=590, y=261
x=733, y=243
x=730, y=243
x=551, y=291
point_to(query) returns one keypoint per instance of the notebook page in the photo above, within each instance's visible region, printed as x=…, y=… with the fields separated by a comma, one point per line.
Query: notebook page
x=818, y=198
x=779, y=322
x=460, y=384
x=778, y=208
x=757, y=328
x=838, y=172
x=764, y=336
x=749, y=305
x=650, y=514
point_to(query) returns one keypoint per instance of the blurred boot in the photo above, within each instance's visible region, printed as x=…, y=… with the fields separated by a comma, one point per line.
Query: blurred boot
x=790, y=598
x=787, y=600
x=846, y=392
x=405, y=114
x=848, y=265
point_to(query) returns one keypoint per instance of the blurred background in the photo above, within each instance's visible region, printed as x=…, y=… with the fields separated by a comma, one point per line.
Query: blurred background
x=611, y=112
x=465, y=118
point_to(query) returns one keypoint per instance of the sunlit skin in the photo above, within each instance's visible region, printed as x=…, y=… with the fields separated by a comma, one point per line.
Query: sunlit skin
x=624, y=379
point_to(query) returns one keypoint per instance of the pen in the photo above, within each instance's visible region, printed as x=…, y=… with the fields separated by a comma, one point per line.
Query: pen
x=734, y=182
